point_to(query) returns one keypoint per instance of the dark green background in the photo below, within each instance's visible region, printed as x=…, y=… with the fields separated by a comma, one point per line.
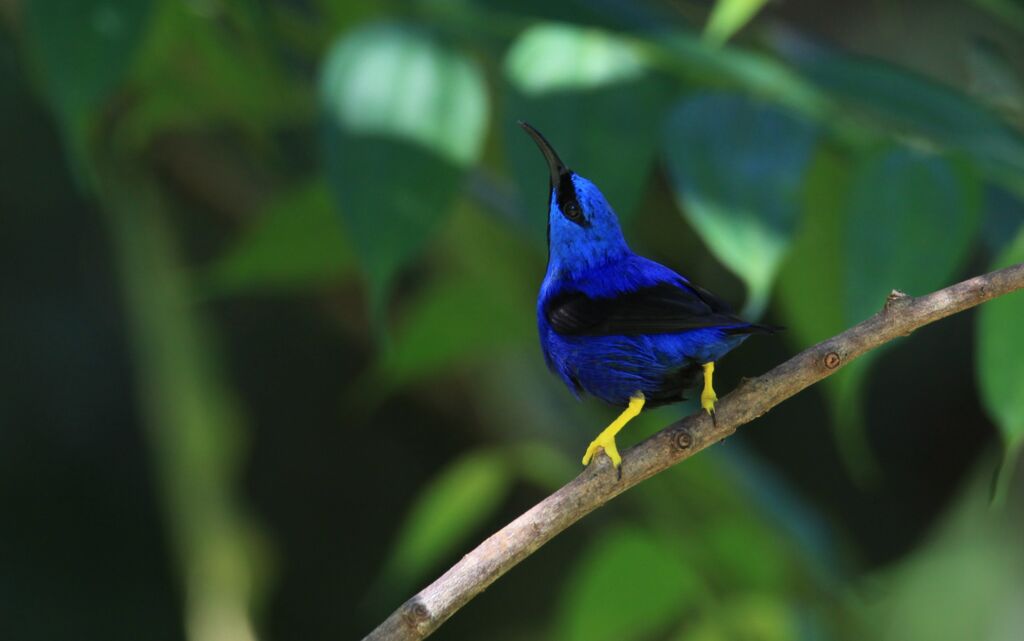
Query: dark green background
x=267, y=334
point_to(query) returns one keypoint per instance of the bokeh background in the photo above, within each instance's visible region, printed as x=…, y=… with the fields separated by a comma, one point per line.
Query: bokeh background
x=267, y=342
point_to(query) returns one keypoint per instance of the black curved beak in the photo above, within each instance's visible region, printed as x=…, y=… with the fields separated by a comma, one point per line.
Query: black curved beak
x=555, y=164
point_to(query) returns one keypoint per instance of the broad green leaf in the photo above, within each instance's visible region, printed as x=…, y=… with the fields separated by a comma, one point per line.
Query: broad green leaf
x=479, y=304
x=446, y=512
x=695, y=61
x=737, y=169
x=561, y=57
x=760, y=617
x=593, y=96
x=909, y=224
x=404, y=116
x=627, y=584
x=83, y=48
x=729, y=16
x=397, y=82
x=811, y=281
x=812, y=293
x=903, y=220
x=911, y=105
x=297, y=242
x=455, y=319
x=1000, y=367
x=242, y=85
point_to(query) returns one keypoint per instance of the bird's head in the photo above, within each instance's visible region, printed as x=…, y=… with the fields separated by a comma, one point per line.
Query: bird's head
x=583, y=231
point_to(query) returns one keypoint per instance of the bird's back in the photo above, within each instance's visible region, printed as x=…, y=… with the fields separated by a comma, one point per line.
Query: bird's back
x=633, y=325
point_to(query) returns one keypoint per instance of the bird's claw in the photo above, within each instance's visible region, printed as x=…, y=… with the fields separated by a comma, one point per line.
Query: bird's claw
x=605, y=441
x=708, y=400
x=606, y=445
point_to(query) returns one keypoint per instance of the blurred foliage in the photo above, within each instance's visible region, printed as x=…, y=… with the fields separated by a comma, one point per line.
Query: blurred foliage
x=328, y=233
x=999, y=371
x=395, y=149
x=447, y=510
x=195, y=432
x=82, y=51
x=728, y=16
x=279, y=252
x=916, y=599
x=738, y=168
x=596, y=605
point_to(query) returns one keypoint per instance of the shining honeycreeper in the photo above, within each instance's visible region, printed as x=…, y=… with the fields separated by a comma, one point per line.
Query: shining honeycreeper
x=616, y=325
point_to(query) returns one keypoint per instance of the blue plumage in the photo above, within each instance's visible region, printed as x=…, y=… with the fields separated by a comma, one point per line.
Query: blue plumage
x=614, y=324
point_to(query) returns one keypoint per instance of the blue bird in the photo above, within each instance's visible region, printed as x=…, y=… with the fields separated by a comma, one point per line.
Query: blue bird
x=616, y=325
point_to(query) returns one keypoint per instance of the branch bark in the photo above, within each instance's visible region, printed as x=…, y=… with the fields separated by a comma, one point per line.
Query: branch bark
x=421, y=615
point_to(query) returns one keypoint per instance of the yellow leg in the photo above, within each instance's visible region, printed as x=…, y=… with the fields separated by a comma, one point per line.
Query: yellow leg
x=708, y=398
x=606, y=439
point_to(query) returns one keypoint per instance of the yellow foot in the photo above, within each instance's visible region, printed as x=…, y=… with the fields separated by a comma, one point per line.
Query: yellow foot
x=708, y=398
x=606, y=439
x=606, y=442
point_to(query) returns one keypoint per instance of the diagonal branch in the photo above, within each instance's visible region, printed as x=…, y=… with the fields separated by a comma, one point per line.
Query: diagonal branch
x=421, y=615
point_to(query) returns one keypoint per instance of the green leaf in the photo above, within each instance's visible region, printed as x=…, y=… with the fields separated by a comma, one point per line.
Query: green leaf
x=737, y=168
x=404, y=116
x=454, y=319
x=83, y=48
x=909, y=224
x=1000, y=365
x=297, y=242
x=397, y=82
x=561, y=57
x=695, y=61
x=627, y=584
x=813, y=270
x=225, y=73
x=446, y=512
x=729, y=16
x=479, y=303
x=901, y=220
x=760, y=617
x=911, y=105
x=580, y=87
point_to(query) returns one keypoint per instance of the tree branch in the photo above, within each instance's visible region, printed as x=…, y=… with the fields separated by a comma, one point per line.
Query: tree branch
x=418, y=617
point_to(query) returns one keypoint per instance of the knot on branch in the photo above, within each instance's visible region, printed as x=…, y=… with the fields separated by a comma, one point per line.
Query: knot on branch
x=416, y=614
x=832, y=360
x=682, y=439
x=895, y=297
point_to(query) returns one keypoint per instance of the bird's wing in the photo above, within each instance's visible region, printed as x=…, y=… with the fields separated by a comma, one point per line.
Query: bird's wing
x=659, y=309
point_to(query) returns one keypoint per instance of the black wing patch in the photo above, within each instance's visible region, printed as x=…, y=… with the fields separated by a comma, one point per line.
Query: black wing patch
x=661, y=309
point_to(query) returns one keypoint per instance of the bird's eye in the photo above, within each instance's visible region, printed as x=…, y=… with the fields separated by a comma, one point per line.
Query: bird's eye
x=572, y=211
